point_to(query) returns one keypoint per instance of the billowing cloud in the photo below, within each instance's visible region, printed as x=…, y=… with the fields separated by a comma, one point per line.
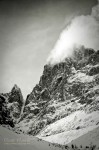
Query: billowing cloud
x=83, y=30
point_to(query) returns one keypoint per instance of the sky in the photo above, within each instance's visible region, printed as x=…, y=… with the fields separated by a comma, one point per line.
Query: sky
x=29, y=30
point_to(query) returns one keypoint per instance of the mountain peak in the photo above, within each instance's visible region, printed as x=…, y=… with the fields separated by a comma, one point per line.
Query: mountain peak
x=15, y=87
x=64, y=87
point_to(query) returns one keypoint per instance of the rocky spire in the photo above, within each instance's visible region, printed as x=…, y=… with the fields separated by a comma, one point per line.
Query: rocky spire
x=16, y=95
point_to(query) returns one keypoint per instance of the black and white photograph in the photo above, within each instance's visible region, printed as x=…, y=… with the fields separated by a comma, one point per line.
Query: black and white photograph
x=49, y=74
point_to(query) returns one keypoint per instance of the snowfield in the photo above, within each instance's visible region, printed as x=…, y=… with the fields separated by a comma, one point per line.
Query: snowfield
x=9, y=140
x=88, y=139
x=12, y=141
x=70, y=128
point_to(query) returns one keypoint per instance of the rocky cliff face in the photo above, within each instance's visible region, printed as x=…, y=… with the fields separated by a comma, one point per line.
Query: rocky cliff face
x=63, y=88
x=5, y=117
x=10, y=106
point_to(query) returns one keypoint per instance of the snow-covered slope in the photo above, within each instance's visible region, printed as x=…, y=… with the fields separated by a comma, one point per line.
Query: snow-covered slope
x=71, y=127
x=87, y=139
x=12, y=141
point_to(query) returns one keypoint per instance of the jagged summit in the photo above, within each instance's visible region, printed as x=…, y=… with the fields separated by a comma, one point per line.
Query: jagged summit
x=16, y=95
x=15, y=87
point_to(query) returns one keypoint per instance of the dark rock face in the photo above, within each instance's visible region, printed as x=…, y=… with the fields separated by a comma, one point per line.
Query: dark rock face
x=10, y=106
x=74, y=81
x=5, y=117
x=94, y=58
x=93, y=71
x=16, y=95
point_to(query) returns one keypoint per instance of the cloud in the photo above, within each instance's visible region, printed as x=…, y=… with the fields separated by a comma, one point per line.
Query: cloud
x=83, y=30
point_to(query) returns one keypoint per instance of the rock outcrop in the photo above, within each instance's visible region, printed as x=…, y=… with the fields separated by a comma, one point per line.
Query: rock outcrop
x=10, y=106
x=5, y=117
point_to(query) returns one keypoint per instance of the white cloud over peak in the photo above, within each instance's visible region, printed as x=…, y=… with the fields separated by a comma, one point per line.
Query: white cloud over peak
x=83, y=30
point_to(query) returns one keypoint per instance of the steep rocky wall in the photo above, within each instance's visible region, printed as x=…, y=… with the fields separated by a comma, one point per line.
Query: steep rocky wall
x=71, y=82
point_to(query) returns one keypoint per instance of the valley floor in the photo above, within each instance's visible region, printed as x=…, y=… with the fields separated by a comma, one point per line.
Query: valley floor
x=12, y=141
